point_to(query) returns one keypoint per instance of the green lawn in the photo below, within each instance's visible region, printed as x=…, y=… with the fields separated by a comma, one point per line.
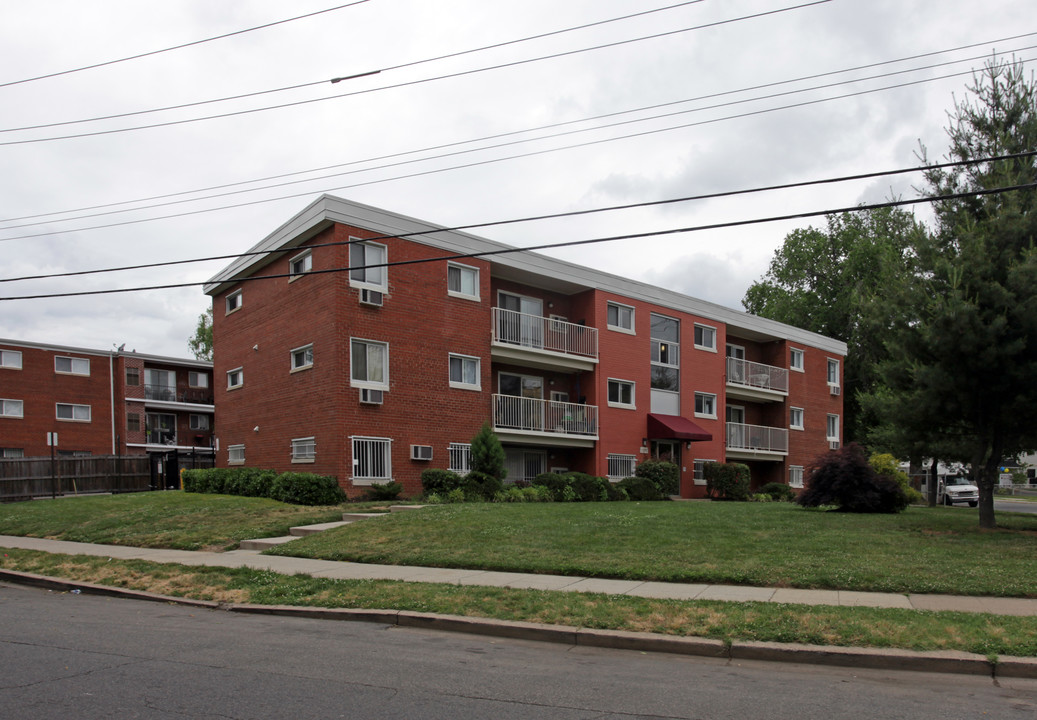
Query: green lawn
x=922, y=550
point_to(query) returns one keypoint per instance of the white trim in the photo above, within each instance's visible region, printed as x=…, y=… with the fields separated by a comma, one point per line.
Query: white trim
x=382, y=287
x=792, y=473
x=240, y=370
x=199, y=373
x=793, y=351
x=291, y=358
x=238, y=300
x=13, y=401
x=632, y=330
x=369, y=384
x=370, y=479
x=72, y=365
x=13, y=354
x=620, y=457
x=632, y=405
x=695, y=470
x=460, y=384
x=709, y=416
x=709, y=348
x=460, y=293
x=802, y=418
x=87, y=419
x=234, y=461
x=828, y=426
x=294, y=275
x=312, y=442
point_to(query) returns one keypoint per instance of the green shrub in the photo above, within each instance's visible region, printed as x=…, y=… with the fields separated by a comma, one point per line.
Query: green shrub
x=481, y=486
x=384, y=491
x=439, y=482
x=639, y=488
x=487, y=455
x=777, y=491
x=249, y=482
x=455, y=496
x=306, y=489
x=761, y=497
x=208, y=480
x=510, y=494
x=844, y=478
x=727, y=481
x=664, y=475
x=555, y=483
x=887, y=466
x=537, y=493
x=194, y=480
x=433, y=499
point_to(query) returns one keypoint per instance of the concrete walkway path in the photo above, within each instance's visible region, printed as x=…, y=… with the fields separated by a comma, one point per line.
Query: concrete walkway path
x=677, y=591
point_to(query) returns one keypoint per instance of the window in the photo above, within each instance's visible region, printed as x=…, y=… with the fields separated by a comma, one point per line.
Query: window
x=235, y=454
x=363, y=256
x=621, y=394
x=462, y=281
x=372, y=462
x=705, y=337
x=199, y=422
x=665, y=363
x=11, y=359
x=234, y=301
x=133, y=377
x=621, y=466
x=833, y=372
x=460, y=457
x=833, y=427
x=620, y=317
x=705, y=405
x=11, y=408
x=235, y=378
x=699, y=474
x=300, y=265
x=12, y=452
x=464, y=372
x=302, y=358
x=796, y=359
x=71, y=365
x=369, y=364
x=304, y=450
x=198, y=379
x=76, y=413
x=796, y=476
x=796, y=418
x=161, y=428
x=132, y=422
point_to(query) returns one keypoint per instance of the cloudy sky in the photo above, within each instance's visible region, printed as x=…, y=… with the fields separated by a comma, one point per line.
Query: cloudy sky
x=478, y=112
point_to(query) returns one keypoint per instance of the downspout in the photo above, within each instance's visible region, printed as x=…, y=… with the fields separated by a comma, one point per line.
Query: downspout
x=111, y=390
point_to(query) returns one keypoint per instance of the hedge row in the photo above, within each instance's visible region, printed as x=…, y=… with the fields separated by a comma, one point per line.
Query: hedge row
x=290, y=487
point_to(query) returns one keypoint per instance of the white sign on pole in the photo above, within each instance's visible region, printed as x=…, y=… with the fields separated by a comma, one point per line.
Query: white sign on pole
x=52, y=439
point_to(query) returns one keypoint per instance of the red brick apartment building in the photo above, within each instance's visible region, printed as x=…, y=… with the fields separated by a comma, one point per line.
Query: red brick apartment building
x=372, y=351
x=102, y=402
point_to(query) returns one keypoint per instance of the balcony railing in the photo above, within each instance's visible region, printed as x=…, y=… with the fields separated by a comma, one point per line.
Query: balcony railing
x=511, y=412
x=168, y=393
x=757, y=438
x=540, y=333
x=757, y=375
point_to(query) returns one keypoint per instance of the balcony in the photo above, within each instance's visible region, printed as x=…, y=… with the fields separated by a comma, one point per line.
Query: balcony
x=545, y=343
x=544, y=422
x=755, y=381
x=169, y=396
x=756, y=442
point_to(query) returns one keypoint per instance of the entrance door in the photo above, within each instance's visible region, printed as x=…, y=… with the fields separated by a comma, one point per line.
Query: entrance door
x=667, y=451
x=736, y=367
x=735, y=426
x=526, y=328
x=526, y=412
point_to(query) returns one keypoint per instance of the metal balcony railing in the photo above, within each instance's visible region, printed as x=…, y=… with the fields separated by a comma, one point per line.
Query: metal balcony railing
x=757, y=437
x=168, y=393
x=511, y=412
x=757, y=375
x=540, y=333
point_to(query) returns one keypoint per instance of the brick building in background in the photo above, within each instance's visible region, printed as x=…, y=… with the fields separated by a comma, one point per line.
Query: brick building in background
x=103, y=403
x=359, y=343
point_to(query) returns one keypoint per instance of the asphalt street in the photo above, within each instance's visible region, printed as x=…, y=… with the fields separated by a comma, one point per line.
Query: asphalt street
x=69, y=655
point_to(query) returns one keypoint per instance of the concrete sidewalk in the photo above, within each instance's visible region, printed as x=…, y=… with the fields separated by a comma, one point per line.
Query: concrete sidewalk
x=637, y=588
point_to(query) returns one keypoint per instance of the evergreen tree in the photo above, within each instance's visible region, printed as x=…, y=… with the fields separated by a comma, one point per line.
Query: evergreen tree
x=487, y=454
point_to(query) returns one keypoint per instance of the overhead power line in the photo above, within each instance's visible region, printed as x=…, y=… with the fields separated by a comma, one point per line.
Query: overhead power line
x=178, y=47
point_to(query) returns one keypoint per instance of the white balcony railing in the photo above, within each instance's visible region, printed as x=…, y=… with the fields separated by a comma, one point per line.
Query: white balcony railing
x=757, y=437
x=757, y=375
x=511, y=412
x=540, y=333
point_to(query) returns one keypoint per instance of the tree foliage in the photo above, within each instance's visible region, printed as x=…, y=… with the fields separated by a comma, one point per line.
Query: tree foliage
x=201, y=343
x=488, y=454
x=844, y=479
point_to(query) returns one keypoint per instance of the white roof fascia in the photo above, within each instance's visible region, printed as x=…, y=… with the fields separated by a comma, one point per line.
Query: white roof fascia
x=185, y=362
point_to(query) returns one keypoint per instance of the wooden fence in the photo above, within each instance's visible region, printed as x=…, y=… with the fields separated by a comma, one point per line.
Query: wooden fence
x=25, y=478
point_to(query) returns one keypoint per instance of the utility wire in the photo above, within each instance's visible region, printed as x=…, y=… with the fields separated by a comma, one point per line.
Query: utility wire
x=548, y=246
x=417, y=82
x=178, y=47
x=490, y=147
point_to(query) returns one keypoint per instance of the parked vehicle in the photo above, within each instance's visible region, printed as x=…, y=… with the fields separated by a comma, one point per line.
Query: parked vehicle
x=959, y=490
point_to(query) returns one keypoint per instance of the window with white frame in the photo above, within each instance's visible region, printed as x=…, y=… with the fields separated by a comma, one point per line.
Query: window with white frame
x=235, y=378
x=235, y=454
x=302, y=358
x=366, y=263
x=199, y=422
x=460, y=457
x=705, y=405
x=372, y=460
x=796, y=359
x=197, y=379
x=705, y=337
x=12, y=452
x=133, y=377
x=74, y=413
x=304, y=450
x=796, y=418
x=796, y=476
x=464, y=372
x=132, y=422
x=11, y=359
x=620, y=317
x=369, y=364
x=833, y=372
x=832, y=427
x=621, y=466
x=11, y=408
x=665, y=361
x=300, y=265
x=234, y=301
x=621, y=394
x=71, y=365
x=699, y=474
x=462, y=281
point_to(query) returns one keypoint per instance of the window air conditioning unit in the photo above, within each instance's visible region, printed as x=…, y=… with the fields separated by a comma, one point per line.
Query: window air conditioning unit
x=833, y=444
x=371, y=397
x=834, y=389
x=420, y=452
x=371, y=297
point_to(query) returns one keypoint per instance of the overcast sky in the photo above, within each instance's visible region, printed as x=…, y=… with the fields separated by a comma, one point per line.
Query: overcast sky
x=379, y=131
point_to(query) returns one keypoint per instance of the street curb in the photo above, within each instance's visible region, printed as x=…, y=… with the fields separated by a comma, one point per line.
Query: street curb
x=948, y=662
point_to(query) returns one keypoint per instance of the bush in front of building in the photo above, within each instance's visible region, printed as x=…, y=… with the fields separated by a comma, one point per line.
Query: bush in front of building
x=481, y=486
x=577, y=487
x=306, y=489
x=294, y=488
x=210, y=480
x=778, y=492
x=384, y=491
x=727, y=481
x=844, y=479
x=886, y=466
x=666, y=476
x=435, y=481
x=249, y=482
x=487, y=454
x=475, y=485
x=639, y=489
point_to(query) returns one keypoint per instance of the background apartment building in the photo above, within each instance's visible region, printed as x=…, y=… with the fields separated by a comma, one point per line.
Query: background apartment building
x=367, y=345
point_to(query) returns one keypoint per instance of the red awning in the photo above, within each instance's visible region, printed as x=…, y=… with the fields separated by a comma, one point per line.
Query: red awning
x=665, y=427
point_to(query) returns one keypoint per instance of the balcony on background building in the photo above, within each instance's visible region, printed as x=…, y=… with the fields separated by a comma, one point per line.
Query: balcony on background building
x=755, y=381
x=544, y=422
x=541, y=342
x=161, y=394
x=756, y=442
